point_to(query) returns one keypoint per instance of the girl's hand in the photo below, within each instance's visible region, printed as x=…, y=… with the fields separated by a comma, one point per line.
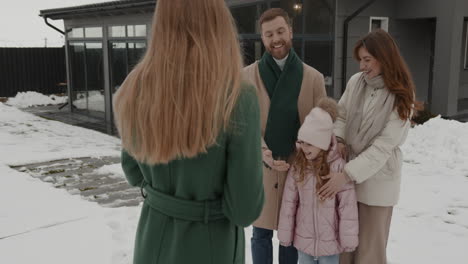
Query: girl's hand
x=334, y=185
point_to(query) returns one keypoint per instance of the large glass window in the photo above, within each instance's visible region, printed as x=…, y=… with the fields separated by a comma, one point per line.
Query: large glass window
x=136, y=30
x=294, y=9
x=124, y=56
x=252, y=50
x=135, y=52
x=76, y=33
x=297, y=45
x=313, y=27
x=309, y=17
x=87, y=32
x=94, y=73
x=78, y=71
x=117, y=31
x=93, y=32
x=118, y=64
x=319, y=54
x=319, y=17
x=87, y=77
x=127, y=31
x=246, y=19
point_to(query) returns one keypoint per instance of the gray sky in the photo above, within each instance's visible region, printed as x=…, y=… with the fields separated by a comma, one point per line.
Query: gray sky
x=21, y=25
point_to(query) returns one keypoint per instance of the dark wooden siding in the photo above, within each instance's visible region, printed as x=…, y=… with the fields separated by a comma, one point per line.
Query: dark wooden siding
x=32, y=69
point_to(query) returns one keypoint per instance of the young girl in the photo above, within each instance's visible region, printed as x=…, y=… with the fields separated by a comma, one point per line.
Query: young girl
x=319, y=229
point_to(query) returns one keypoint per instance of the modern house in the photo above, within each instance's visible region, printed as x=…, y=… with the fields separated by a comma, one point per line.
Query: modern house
x=104, y=41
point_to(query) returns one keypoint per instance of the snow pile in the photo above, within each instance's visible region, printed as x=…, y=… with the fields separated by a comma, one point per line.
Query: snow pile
x=430, y=223
x=94, y=101
x=438, y=142
x=28, y=99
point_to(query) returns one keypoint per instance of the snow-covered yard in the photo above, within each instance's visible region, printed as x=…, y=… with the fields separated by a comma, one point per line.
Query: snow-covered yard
x=28, y=99
x=41, y=224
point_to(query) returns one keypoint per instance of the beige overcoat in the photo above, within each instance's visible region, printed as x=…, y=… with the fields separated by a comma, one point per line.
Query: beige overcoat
x=312, y=89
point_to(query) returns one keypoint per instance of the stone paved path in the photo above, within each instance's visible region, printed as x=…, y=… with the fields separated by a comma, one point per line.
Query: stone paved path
x=91, y=178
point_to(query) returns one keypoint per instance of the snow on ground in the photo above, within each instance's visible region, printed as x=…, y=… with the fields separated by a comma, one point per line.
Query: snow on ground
x=28, y=99
x=41, y=224
x=94, y=101
x=25, y=138
x=115, y=171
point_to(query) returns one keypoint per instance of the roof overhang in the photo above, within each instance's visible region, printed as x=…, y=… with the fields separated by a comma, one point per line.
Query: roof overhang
x=100, y=9
x=113, y=8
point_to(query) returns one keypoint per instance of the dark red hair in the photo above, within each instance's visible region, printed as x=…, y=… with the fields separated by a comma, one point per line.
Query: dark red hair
x=395, y=71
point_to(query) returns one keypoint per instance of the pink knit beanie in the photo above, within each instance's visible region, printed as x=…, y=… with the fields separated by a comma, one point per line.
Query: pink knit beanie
x=317, y=128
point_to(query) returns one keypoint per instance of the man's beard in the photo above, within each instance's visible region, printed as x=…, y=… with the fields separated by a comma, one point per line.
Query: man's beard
x=280, y=54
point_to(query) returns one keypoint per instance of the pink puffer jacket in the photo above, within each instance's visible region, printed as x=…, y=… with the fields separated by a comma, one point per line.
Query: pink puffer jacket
x=319, y=228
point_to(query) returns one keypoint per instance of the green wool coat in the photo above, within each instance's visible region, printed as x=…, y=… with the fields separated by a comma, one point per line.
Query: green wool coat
x=229, y=175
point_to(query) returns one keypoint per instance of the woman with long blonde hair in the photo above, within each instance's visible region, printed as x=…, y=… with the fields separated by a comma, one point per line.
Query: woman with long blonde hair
x=190, y=133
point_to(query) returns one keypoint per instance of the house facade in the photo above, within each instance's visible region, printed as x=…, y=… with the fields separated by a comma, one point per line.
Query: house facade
x=104, y=41
x=432, y=36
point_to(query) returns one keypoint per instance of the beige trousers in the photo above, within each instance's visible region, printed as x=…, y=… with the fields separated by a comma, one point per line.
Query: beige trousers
x=374, y=227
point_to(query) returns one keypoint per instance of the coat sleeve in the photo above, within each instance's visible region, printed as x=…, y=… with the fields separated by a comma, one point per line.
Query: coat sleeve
x=287, y=219
x=319, y=89
x=374, y=158
x=340, y=123
x=348, y=224
x=131, y=169
x=343, y=104
x=248, y=75
x=243, y=190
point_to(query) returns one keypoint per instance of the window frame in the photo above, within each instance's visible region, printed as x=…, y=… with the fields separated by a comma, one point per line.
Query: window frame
x=383, y=20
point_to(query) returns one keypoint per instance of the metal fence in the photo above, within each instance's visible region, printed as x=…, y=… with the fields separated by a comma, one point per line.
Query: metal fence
x=32, y=69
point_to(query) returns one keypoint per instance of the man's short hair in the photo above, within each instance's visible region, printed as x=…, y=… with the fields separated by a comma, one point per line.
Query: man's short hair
x=273, y=13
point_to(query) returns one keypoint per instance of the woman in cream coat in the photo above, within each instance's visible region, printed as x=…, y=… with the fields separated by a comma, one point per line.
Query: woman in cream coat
x=374, y=119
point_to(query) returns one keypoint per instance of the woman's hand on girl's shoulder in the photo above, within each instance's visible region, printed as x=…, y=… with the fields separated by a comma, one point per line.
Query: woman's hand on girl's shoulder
x=342, y=150
x=337, y=181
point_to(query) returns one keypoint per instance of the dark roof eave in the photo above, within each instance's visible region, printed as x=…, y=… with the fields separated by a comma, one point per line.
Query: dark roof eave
x=86, y=10
x=60, y=13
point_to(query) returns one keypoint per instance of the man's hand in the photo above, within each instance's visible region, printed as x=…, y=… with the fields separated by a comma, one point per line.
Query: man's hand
x=278, y=165
x=334, y=185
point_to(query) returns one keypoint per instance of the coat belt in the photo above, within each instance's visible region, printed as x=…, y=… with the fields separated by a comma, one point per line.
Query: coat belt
x=189, y=210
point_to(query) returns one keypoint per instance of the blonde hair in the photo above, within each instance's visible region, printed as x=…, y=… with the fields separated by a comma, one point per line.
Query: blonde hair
x=181, y=95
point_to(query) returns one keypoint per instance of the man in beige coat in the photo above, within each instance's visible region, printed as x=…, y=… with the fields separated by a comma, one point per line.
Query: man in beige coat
x=287, y=89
